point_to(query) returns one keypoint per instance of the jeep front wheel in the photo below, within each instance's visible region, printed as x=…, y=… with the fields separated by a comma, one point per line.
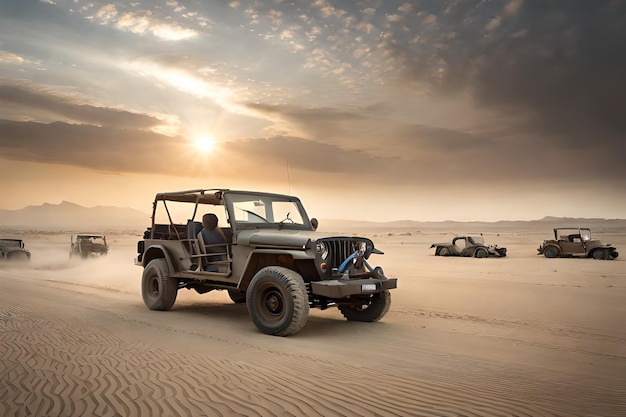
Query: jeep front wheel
x=481, y=253
x=369, y=310
x=600, y=254
x=158, y=289
x=277, y=301
x=551, y=252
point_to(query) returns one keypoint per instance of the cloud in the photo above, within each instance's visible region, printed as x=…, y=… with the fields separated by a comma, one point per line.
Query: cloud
x=321, y=124
x=559, y=70
x=7, y=57
x=493, y=24
x=512, y=7
x=47, y=104
x=476, y=92
x=142, y=22
x=112, y=149
x=104, y=148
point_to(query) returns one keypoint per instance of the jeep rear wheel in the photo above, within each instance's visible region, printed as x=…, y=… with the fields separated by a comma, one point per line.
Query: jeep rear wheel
x=368, y=310
x=443, y=252
x=157, y=288
x=614, y=254
x=551, y=252
x=277, y=301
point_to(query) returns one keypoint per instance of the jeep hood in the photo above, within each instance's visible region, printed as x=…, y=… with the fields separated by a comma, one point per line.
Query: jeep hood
x=285, y=238
x=292, y=239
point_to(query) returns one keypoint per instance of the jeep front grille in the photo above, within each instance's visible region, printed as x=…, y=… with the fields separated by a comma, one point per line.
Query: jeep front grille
x=339, y=249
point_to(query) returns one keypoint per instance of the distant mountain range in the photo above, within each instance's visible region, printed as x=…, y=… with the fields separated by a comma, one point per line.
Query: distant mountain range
x=70, y=216
x=547, y=223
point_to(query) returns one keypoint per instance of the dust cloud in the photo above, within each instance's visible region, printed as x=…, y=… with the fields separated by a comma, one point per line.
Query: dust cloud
x=51, y=261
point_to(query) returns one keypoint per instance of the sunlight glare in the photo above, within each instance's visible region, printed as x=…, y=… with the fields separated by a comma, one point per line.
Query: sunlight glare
x=204, y=144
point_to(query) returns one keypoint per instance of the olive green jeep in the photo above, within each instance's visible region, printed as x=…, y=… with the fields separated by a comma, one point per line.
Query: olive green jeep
x=272, y=259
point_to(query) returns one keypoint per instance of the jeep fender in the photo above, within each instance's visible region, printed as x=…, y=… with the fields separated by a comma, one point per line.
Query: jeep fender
x=156, y=252
x=254, y=263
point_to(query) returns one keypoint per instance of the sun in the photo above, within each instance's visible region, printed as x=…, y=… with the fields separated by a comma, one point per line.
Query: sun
x=204, y=143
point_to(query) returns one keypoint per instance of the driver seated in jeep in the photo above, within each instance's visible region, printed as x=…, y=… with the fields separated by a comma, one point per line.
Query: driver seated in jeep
x=212, y=240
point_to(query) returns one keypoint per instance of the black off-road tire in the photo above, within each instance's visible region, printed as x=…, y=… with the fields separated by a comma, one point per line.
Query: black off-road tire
x=238, y=297
x=443, y=252
x=614, y=254
x=277, y=301
x=369, y=310
x=157, y=288
x=551, y=252
x=481, y=253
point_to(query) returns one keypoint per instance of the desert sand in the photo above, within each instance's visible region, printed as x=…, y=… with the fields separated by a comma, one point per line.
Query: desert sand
x=515, y=336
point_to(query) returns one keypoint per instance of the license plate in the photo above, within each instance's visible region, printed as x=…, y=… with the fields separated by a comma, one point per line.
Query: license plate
x=368, y=287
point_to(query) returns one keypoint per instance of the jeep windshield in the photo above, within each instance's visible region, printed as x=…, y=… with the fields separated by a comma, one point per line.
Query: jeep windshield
x=14, y=243
x=477, y=240
x=266, y=210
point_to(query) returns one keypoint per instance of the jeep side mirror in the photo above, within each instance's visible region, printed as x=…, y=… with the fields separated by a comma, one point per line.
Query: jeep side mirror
x=314, y=223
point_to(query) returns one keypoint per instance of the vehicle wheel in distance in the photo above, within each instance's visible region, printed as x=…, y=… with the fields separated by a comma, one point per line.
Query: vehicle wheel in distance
x=277, y=301
x=443, y=252
x=157, y=288
x=368, y=310
x=18, y=257
x=551, y=252
x=481, y=253
x=238, y=297
x=600, y=254
x=614, y=254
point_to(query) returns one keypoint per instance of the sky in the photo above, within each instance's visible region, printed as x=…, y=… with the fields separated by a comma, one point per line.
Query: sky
x=366, y=109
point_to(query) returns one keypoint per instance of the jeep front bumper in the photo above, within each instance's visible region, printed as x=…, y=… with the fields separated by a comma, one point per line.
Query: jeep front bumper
x=341, y=288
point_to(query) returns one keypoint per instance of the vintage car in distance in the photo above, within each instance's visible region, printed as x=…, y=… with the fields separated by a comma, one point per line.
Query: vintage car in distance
x=271, y=257
x=88, y=245
x=13, y=250
x=576, y=242
x=470, y=246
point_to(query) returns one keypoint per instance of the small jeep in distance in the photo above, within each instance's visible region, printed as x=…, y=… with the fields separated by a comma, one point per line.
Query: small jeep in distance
x=273, y=259
x=469, y=246
x=13, y=250
x=570, y=242
x=88, y=245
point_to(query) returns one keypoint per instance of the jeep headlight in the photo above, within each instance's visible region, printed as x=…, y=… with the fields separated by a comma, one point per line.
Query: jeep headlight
x=322, y=249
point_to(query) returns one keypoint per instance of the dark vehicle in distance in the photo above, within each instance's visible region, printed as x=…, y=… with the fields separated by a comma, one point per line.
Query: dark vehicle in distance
x=271, y=258
x=469, y=246
x=13, y=250
x=88, y=245
x=576, y=242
